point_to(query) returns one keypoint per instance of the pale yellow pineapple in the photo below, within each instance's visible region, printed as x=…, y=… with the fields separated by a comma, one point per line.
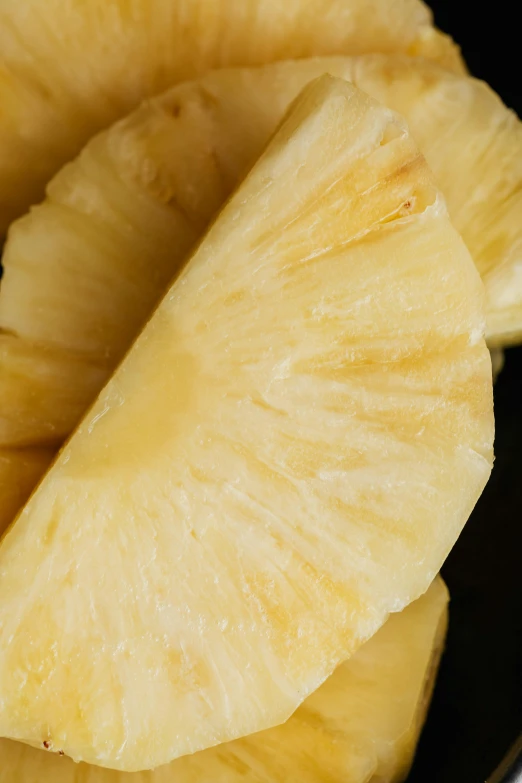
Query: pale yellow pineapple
x=69, y=68
x=84, y=269
x=473, y=145
x=361, y=725
x=286, y=455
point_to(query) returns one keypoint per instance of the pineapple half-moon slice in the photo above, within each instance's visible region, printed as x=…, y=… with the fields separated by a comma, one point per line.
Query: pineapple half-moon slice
x=70, y=68
x=362, y=725
x=84, y=269
x=286, y=455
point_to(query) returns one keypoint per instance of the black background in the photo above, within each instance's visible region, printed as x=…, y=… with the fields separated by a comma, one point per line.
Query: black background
x=477, y=709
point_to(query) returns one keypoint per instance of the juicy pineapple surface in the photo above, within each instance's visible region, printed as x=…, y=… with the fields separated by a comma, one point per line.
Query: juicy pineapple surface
x=65, y=64
x=362, y=725
x=286, y=455
x=84, y=269
x=153, y=181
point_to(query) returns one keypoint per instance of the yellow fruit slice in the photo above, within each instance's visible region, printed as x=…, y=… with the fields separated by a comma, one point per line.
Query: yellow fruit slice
x=63, y=80
x=286, y=455
x=473, y=145
x=20, y=471
x=85, y=268
x=361, y=725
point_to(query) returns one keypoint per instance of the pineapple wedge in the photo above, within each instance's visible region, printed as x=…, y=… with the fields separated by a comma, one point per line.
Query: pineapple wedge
x=20, y=470
x=473, y=144
x=70, y=68
x=361, y=725
x=84, y=269
x=285, y=456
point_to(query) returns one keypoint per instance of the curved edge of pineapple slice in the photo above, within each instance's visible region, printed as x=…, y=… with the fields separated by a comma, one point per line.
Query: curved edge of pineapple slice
x=362, y=725
x=122, y=166
x=473, y=144
x=436, y=601
x=49, y=111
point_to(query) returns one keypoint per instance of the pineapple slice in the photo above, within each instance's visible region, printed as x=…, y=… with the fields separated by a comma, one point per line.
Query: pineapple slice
x=84, y=269
x=70, y=68
x=473, y=144
x=285, y=456
x=20, y=471
x=361, y=725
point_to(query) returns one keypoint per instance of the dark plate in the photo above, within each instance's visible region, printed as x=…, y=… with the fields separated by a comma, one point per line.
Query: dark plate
x=476, y=714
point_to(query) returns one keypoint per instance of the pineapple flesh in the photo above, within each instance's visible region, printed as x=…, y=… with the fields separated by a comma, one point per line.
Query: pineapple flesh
x=44, y=392
x=157, y=178
x=84, y=269
x=362, y=725
x=285, y=456
x=63, y=80
x=473, y=145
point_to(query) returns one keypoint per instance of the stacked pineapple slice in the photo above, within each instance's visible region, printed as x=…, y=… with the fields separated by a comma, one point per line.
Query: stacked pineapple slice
x=285, y=456
x=361, y=725
x=70, y=68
